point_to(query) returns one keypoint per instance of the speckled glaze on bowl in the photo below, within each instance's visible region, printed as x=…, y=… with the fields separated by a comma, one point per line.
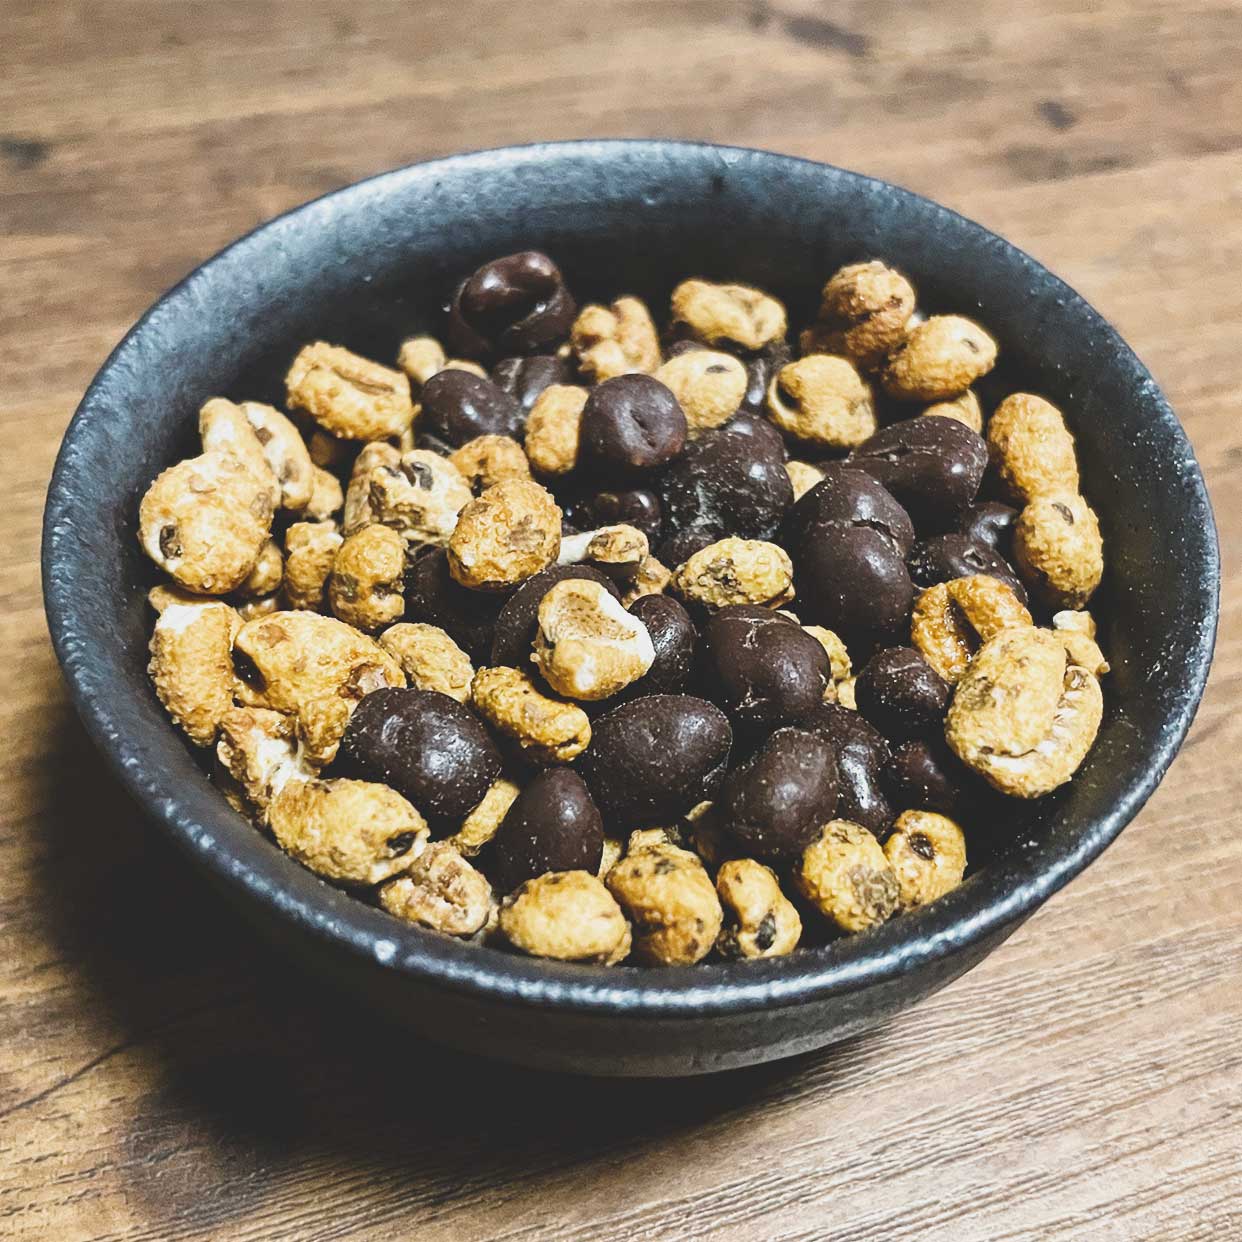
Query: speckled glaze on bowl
x=368, y=265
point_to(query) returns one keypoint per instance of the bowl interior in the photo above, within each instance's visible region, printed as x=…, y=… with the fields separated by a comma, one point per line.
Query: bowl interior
x=372, y=264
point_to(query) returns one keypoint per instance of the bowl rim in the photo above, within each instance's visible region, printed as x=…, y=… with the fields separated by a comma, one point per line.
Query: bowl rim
x=996, y=899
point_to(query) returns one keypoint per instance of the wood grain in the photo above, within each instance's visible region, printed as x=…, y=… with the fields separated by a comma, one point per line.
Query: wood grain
x=161, y=1078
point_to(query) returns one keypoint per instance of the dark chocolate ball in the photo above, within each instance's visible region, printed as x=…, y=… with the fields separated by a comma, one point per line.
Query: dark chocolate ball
x=775, y=802
x=945, y=557
x=901, y=694
x=653, y=759
x=852, y=580
x=862, y=756
x=989, y=522
x=674, y=638
x=525, y=379
x=423, y=744
x=762, y=668
x=725, y=484
x=514, y=305
x=848, y=497
x=434, y=596
x=635, y=506
x=518, y=619
x=932, y=465
x=766, y=438
x=679, y=548
x=458, y=406
x=553, y=825
x=924, y=774
x=630, y=425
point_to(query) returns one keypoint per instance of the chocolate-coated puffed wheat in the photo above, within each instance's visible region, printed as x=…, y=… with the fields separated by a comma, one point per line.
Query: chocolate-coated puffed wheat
x=774, y=803
x=459, y=407
x=631, y=425
x=552, y=825
x=515, y=305
x=762, y=668
x=654, y=758
x=425, y=745
x=553, y=592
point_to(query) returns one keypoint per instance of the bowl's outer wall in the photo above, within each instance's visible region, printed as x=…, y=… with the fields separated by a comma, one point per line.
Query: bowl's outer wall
x=372, y=264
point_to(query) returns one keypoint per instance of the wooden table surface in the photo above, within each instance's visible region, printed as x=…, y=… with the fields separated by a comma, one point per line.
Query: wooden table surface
x=161, y=1077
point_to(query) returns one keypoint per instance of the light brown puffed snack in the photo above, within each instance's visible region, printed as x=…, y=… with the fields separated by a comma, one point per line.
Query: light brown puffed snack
x=927, y=852
x=327, y=498
x=487, y=460
x=315, y=668
x=843, y=873
x=652, y=579
x=553, y=427
x=619, y=551
x=285, y=452
x=547, y=730
x=204, y=521
x=481, y=825
x=567, y=915
x=310, y=552
x=845, y=693
x=421, y=497
x=430, y=659
x=736, y=571
x=615, y=340
x=672, y=902
x=964, y=409
x=355, y=832
x=760, y=921
x=1058, y=549
x=365, y=589
x=803, y=476
x=358, y=508
x=823, y=401
x=348, y=395
x=836, y=650
x=509, y=533
x=1077, y=631
x=709, y=386
x=257, y=755
x=1024, y=715
x=421, y=357
x=951, y=619
x=1031, y=448
x=191, y=661
x=609, y=856
x=224, y=428
x=645, y=838
x=863, y=313
x=265, y=577
x=586, y=645
x=938, y=359
x=728, y=314
x=440, y=890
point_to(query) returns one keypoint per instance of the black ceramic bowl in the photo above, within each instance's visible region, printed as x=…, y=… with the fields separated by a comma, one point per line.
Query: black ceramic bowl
x=371, y=264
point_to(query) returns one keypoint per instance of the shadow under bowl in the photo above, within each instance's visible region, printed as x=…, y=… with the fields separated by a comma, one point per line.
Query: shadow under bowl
x=371, y=264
